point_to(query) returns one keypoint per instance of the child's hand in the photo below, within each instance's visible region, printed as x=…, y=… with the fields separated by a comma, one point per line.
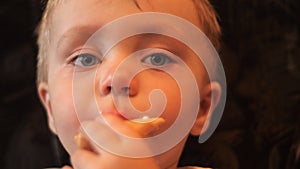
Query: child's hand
x=83, y=159
x=95, y=157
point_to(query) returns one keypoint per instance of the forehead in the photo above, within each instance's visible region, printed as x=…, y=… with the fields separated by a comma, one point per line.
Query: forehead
x=93, y=14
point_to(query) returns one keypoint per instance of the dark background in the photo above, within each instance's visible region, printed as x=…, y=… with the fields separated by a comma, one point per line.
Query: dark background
x=261, y=57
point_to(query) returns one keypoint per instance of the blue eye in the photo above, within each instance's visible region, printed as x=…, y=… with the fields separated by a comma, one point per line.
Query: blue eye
x=86, y=60
x=157, y=59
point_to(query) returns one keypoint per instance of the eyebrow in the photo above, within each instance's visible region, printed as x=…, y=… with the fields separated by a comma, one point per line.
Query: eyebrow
x=82, y=33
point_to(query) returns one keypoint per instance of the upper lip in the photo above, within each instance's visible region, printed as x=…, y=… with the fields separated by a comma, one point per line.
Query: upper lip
x=115, y=113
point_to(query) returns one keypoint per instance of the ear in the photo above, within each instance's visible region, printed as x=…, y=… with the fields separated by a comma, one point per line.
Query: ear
x=210, y=96
x=43, y=92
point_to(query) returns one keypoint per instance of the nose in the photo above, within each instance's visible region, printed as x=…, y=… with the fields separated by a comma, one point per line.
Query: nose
x=118, y=83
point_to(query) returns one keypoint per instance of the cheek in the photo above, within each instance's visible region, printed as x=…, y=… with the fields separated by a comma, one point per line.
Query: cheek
x=199, y=71
x=153, y=80
x=64, y=115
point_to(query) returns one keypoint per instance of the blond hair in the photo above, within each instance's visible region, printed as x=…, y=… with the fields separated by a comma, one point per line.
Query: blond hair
x=206, y=14
x=43, y=41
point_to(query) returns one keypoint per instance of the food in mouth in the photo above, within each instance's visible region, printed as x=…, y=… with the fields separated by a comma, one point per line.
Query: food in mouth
x=146, y=126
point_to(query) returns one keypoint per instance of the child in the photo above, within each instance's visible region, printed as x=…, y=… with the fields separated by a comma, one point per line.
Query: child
x=67, y=59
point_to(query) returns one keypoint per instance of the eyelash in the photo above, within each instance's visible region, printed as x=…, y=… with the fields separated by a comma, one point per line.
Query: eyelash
x=154, y=58
x=78, y=59
x=160, y=57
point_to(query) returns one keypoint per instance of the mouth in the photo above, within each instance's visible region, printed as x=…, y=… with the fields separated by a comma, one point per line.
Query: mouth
x=136, y=117
x=119, y=115
x=144, y=125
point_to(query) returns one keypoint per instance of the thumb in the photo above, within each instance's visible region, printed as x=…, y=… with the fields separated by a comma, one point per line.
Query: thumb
x=67, y=167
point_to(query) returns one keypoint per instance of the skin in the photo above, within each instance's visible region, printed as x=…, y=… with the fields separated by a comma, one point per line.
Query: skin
x=67, y=37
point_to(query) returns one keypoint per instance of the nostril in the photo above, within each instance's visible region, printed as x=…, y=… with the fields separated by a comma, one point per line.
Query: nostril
x=106, y=90
x=119, y=87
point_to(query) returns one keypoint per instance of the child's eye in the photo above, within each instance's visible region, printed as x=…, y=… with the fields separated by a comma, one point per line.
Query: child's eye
x=157, y=59
x=86, y=60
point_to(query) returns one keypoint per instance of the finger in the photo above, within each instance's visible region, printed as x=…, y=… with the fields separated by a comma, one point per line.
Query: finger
x=83, y=159
x=97, y=133
x=67, y=167
x=100, y=134
x=114, y=135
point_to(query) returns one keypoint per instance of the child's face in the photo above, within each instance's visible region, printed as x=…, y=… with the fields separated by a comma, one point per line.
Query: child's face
x=72, y=24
